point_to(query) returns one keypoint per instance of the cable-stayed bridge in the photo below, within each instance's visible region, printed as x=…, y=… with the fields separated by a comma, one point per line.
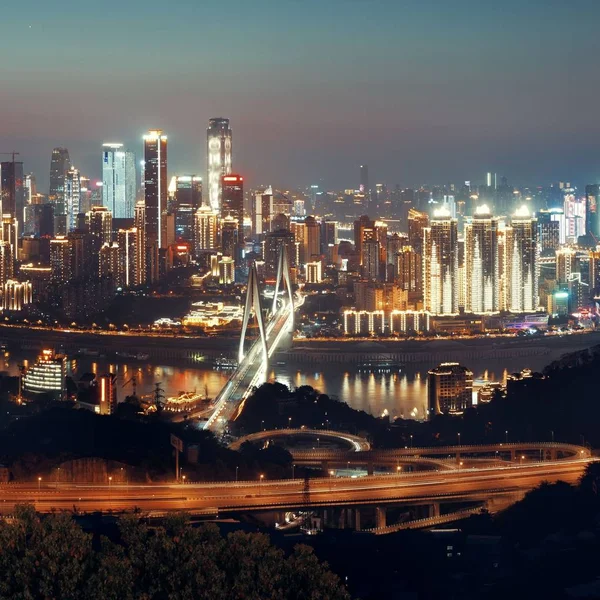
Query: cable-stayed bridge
x=253, y=363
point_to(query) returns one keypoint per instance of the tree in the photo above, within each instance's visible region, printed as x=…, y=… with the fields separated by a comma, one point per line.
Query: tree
x=52, y=557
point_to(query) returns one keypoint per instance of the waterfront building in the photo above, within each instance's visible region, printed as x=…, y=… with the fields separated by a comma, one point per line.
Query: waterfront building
x=16, y=294
x=47, y=375
x=362, y=322
x=131, y=258
x=218, y=152
x=440, y=264
x=522, y=267
x=450, y=389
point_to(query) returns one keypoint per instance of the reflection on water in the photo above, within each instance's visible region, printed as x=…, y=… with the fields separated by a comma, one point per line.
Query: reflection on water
x=400, y=393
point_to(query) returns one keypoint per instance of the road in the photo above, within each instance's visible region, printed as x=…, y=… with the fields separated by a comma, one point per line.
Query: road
x=226, y=497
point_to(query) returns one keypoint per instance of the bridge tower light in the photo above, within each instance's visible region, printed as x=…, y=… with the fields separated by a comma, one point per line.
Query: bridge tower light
x=253, y=303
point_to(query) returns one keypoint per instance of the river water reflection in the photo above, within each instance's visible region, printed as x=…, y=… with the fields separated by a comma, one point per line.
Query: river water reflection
x=401, y=393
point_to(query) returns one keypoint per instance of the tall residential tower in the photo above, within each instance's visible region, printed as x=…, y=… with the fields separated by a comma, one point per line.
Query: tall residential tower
x=218, y=153
x=118, y=180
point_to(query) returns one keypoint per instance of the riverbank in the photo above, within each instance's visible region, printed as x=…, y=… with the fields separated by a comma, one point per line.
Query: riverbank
x=195, y=350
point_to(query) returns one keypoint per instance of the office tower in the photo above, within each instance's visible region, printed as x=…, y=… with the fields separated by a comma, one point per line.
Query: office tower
x=592, y=214
x=408, y=267
x=30, y=189
x=574, y=210
x=188, y=190
x=72, y=197
x=16, y=294
x=262, y=212
x=12, y=190
x=39, y=220
x=60, y=164
x=417, y=221
x=312, y=240
x=99, y=223
x=132, y=256
x=155, y=199
x=370, y=263
x=440, y=264
x=550, y=225
x=207, y=229
x=364, y=179
x=184, y=223
x=298, y=208
x=119, y=182
x=218, y=152
x=329, y=235
x=229, y=237
x=273, y=242
x=84, y=262
x=60, y=261
x=232, y=204
x=313, y=272
x=450, y=389
x=522, y=268
x=282, y=205
x=567, y=263
x=482, y=263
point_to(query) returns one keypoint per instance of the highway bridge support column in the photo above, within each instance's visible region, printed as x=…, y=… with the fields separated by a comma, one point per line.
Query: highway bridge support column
x=434, y=509
x=553, y=454
x=370, y=469
x=357, y=519
x=380, y=517
x=513, y=456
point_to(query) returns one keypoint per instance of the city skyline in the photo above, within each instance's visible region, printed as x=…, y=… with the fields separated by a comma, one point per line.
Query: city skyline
x=402, y=91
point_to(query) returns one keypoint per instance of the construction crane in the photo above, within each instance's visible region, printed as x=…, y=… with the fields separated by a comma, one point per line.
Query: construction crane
x=13, y=154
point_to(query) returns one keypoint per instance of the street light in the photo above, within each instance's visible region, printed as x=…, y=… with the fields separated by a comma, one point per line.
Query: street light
x=262, y=425
x=260, y=483
x=460, y=464
x=506, y=436
x=293, y=471
x=289, y=422
x=183, y=479
x=411, y=440
x=236, y=474
x=458, y=439
x=398, y=469
x=39, y=483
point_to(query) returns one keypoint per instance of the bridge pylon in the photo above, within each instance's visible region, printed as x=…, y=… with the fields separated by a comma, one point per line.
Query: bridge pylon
x=283, y=279
x=253, y=302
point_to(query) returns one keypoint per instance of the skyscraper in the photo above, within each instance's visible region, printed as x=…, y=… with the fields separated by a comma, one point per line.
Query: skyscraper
x=72, y=197
x=592, y=214
x=450, y=389
x=522, y=267
x=207, y=229
x=364, y=179
x=262, y=212
x=118, y=180
x=440, y=264
x=188, y=190
x=218, y=145
x=59, y=165
x=99, y=221
x=482, y=263
x=12, y=190
x=155, y=198
x=232, y=204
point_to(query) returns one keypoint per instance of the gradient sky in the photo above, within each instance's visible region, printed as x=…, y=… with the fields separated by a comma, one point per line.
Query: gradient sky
x=420, y=90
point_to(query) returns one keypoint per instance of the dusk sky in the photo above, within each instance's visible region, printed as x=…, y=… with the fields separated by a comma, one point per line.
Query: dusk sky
x=423, y=91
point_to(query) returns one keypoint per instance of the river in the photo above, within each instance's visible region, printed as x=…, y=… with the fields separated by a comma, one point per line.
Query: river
x=401, y=393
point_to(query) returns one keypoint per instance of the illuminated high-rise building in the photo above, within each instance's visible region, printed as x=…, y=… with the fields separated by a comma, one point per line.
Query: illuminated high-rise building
x=131, y=261
x=450, y=389
x=550, y=229
x=312, y=240
x=72, y=197
x=99, y=223
x=207, y=229
x=262, y=212
x=440, y=264
x=232, y=204
x=12, y=190
x=364, y=179
x=31, y=195
x=60, y=260
x=155, y=185
x=218, y=152
x=575, y=213
x=230, y=237
x=155, y=199
x=522, y=267
x=594, y=270
x=188, y=190
x=408, y=267
x=108, y=262
x=118, y=180
x=371, y=263
x=60, y=164
x=7, y=262
x=568, y=263
x=417, y=221
x=482, y=263
x=592, y=214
